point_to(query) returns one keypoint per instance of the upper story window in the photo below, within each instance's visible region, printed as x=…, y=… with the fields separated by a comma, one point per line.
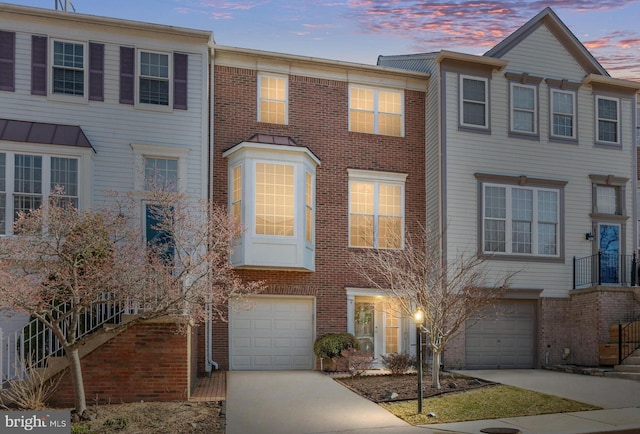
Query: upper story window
x=275, y=210
x=272, y=194
x=376, y=111
x=159, y=168
x=520, y=220
x=160, y=173
x=153, y=78
x=608, y=120
x=376, y=209
x=474, y=98
x=563, y=114
x=608, y=195
x=28, y=180
x=69, y=66
x=272, y=99
x=524, y=108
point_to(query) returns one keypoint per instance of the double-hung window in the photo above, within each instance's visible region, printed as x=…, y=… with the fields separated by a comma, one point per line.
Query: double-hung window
x=376, y=111
x=160, y=173
x=272, y=99
x=524, y=108
x=29, y=180
x=608, y=120
x=563, y=114
x=520, y=220
x=69, y=68
x=153, y=78
x=474, y=98
x=376, y=209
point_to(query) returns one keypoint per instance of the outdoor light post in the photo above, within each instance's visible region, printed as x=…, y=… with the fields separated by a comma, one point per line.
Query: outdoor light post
x=418, y=317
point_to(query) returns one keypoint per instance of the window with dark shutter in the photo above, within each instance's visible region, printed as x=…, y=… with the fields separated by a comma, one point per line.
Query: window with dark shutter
x=180, y=81
x=96, y=71
x=127, y=75
x=38, y=65
x=7, y=60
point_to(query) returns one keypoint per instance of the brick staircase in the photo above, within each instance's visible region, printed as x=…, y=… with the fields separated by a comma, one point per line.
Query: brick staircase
x=630, y=366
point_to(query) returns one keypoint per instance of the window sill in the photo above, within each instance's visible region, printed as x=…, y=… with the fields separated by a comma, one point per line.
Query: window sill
x=522, y=258
x=475, y=130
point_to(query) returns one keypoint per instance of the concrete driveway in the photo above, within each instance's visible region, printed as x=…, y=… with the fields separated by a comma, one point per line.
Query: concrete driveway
x=299, y=402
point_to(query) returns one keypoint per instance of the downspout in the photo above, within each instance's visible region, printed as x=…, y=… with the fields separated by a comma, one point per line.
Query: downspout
x=210, y=364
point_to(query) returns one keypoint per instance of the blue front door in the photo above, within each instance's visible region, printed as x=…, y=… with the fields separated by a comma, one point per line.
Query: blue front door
x=609, y=244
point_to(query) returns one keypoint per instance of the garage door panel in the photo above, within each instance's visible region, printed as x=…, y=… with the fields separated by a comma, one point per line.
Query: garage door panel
x=503, y=341
x=272, y=334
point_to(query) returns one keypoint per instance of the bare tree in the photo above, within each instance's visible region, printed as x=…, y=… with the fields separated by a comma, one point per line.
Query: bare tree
x=63, y=262
x=448, y=292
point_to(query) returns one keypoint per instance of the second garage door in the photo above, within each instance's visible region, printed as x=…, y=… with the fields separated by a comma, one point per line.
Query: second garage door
x=274, y=333
x=502, y=341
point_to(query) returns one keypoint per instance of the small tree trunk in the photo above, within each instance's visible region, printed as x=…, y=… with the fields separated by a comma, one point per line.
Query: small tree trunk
x=435, y=370
x=75, y=370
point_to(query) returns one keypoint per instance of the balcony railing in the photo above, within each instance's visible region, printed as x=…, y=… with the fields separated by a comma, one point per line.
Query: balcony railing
x=605, y=269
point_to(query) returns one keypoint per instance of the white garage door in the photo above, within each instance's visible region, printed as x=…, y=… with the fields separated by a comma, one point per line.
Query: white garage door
x=505, y=340
x=271, y=333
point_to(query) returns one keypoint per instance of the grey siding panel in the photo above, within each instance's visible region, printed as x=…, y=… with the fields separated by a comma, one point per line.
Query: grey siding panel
x=180, y=74
x=127, y=75
x=7, y=61
x=38, y=65
x=96, y=71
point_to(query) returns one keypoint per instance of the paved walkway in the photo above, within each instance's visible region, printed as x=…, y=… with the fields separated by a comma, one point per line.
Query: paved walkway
x=301, y=402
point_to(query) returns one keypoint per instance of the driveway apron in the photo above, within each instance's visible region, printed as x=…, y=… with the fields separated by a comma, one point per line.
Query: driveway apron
x=298, y=402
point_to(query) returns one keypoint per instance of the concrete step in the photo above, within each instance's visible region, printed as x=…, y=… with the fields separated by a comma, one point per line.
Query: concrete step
x=625, y=375
x=627, y=368
x=632, y=360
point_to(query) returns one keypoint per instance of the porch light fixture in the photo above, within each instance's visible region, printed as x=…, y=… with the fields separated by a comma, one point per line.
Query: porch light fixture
x=418, y=318
x=588, y=236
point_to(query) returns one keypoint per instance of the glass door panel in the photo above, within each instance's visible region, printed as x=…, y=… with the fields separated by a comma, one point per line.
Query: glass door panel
x=609, y=245
x=364, y=325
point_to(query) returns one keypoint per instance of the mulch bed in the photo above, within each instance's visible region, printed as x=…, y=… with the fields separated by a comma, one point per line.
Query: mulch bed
x=390, y=388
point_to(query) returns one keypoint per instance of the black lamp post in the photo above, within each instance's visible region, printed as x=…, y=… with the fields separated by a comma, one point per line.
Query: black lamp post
x=418, y=318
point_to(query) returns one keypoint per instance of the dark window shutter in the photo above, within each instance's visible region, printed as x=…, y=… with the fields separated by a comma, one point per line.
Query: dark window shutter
x=38, y=65
x=96, y=71
x=127, y=75
x=180, y=81
x=7, y=61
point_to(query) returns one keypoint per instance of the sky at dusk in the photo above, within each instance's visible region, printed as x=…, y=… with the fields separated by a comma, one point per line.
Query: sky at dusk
x=360, y=30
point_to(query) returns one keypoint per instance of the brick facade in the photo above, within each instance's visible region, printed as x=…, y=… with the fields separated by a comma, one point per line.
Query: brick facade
x=318, y=120
x=147, y=362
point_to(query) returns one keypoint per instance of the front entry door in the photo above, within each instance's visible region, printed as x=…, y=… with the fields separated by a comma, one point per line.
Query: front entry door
x=609, y=245
x=377, y=325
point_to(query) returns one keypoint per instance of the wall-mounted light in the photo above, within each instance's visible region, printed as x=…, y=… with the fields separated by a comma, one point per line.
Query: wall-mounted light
x=588, y=236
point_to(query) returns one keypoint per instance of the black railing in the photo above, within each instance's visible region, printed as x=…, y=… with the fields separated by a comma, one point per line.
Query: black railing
x=628, y=338
x=605, y=269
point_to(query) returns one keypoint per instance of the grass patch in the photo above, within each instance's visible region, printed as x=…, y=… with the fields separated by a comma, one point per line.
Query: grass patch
x=492, y=402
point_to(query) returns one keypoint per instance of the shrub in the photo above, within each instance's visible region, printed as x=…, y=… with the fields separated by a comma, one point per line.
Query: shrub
x=330, y=346
x=30, y=392
x=398, y=363
x=357, y=362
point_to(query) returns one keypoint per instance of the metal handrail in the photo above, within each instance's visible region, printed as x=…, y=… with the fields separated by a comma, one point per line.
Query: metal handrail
x=627, y=345
x=605, y=269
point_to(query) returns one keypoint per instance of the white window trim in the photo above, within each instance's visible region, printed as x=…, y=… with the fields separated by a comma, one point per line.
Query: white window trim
x=84, y=188
x=153, y=107
x=285, y=101
x=376, y=178
x=140, y=151
x=462, y=101
x=376, y=112
x=552, y=113
x=597, y=124
x=509, y=221
x=84, y=98
x=513, y=109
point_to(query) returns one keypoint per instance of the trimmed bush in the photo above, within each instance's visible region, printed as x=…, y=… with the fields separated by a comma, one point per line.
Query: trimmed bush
x=398, y=363
x=330, y=346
